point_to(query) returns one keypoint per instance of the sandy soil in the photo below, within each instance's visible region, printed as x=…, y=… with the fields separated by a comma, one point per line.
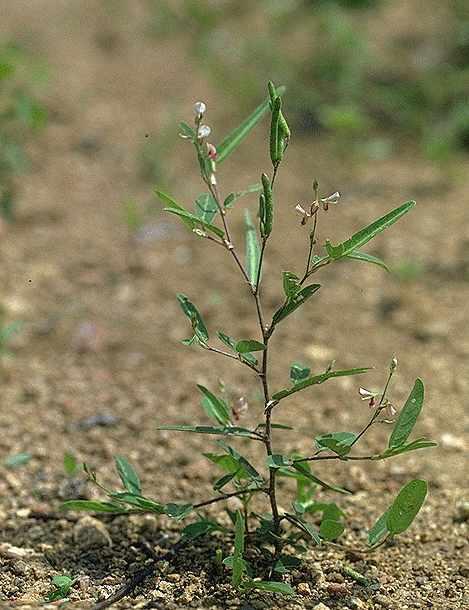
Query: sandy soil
x=100, y=337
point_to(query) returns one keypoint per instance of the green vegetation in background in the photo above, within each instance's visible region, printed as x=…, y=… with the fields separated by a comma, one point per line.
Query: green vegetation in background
x=324, y=51
x=21, y=115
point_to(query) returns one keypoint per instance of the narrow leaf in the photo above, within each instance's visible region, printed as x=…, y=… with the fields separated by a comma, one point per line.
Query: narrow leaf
x=194, y=316
x=242, y=462
x=145, y=504
x=306, y=527
x=406, y=506
x=408, y=416
x=216, y=408
x=294, y=302
x=206, y=207
x=221, y=431
x=128, y=475
x=272, y=586
x=367, y=258
x=299, y=467
x=253, y=252
x=317, y=379
x=419, y=443
x=194, y=220
x=234, y=139
x=92, y=506
x=233, y=197
x=238, y=560
x=366, y=234
x=231, y=343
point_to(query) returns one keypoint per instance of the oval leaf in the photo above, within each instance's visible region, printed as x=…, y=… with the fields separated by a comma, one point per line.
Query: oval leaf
x=249, y=345
x=406, y=506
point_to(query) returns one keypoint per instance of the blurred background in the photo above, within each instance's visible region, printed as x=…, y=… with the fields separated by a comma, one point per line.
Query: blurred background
x=91, y=94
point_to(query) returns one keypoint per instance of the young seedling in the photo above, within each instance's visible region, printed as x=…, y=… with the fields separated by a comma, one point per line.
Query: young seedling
x=62, y=586
x=267, y=534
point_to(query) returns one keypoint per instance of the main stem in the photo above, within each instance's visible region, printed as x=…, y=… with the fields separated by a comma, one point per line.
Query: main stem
x=265, y=354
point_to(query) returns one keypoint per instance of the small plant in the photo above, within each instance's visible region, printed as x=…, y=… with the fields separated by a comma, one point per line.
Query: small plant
x=7, y=332
x=62, y=586
x=263, y=534
x=20, y=115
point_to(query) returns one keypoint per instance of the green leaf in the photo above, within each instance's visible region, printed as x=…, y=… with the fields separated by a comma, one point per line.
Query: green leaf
x=306, y=527
x=365, y=235
x=195, y=220
x=206, y=207
x=216, y=408
x=93, y=506
x=238, y=560
x=368, y=258
x=201, y=528
x=63, y=585
x=253, y=251
x=187, y=131
x=128, y=475
x=379, y=530
x=178, y=511
x=70, y=464
x=222, y=431
x=329, y=510
x=419, y=443
x=294, y=302
x=298, y=372
x=276, y=460
x=330, y=529
x=408, y=416
x=300, y=467
x=224, y=480
x=338, y=442
x=190, y=220
x=249, y=345
x=19, y=459
x=234, y=139
x=233, y=197
x=272, y=586
x=191, y=311
x=317, y=379
x=145, y=504
x=172, y=204
x=406, y=506
x=231, y=343
x=291, y=284
x=242, y=462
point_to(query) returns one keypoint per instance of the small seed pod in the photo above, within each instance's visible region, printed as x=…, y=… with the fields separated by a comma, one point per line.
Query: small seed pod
x=268, y=215
x=276, y=148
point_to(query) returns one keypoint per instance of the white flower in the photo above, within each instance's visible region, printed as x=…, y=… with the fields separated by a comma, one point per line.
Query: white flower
x=199, y=109
x=203, y=132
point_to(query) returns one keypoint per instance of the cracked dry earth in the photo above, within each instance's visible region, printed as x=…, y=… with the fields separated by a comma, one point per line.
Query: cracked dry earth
x=98, y=365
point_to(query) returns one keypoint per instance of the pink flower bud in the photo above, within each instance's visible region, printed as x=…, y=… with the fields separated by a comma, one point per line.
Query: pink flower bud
x=211, y=151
